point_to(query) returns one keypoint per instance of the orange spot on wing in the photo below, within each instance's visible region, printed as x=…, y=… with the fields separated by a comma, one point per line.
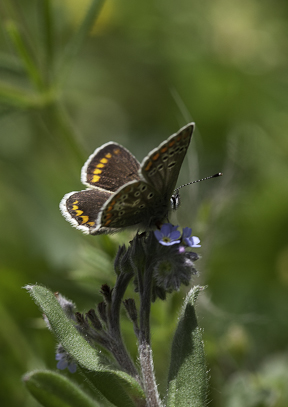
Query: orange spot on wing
x=110, y=207
x=148, y=166
x=100, y=165
x=97, y=171
x=116, y=151
x=104, y=161
x=155, y=156
x=172, y=142
x=95, y=178
x=108, y=155
x=163, y=149
x=84, y=219
x=78, y=213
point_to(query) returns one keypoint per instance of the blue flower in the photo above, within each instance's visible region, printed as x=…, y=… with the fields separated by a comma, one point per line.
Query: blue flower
x=168, y=235
x=65, y=360
x=191, y=241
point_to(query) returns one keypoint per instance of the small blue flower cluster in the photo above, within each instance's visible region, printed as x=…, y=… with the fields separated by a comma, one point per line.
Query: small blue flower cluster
x=174, y=264
x=168, y=235
x=65, y=360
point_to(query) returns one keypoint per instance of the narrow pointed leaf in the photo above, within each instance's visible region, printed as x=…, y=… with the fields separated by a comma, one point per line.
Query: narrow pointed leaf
x=188, y=379
x=54, y=390
x=126, y=389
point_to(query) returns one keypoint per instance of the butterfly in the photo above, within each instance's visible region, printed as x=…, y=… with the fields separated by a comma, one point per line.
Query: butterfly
x=122, y=192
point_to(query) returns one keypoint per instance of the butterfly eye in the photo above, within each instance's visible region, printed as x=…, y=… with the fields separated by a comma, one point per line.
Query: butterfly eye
x=137, y=193
x=150, y=195
x=175, y=200
x=165, y=157
x=143, y=188
x=160, y=167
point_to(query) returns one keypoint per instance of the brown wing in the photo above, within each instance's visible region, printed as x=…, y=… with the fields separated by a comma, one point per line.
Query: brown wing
x=110, y=167
x=162, y=166
x=81, y=208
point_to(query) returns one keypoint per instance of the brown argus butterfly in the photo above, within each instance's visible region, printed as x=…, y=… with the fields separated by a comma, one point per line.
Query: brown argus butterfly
x=122, y=192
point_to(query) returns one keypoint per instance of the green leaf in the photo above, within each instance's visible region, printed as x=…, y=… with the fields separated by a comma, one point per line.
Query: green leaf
x=47, y=31
x=123, y=394
x=126, y=389
x=188, y=379
x=54, y=390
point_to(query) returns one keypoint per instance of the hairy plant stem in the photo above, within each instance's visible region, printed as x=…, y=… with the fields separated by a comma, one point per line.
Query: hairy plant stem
x=149, y=382
x=145, y=351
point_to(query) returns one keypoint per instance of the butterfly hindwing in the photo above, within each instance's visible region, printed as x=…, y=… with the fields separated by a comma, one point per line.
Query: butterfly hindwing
x=110, y=167
x=134, y=203
x=81, y=208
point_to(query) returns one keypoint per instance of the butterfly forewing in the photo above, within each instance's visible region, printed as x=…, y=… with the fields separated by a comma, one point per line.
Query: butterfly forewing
x=110, y=167
x=162, y=166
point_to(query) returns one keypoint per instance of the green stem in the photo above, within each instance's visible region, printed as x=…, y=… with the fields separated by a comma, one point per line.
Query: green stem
x=145, y=290
x=25, y=55
x=74, y=46
x=145, y=353
x=46, y=24
x=57, y=120
x=149, y=382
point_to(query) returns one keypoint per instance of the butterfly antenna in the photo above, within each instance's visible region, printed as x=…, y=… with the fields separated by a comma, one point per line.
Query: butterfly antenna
x=219, y=174
x=175, y=198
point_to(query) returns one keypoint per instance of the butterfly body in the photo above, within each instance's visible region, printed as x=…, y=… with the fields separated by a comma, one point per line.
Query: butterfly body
x=121, y=191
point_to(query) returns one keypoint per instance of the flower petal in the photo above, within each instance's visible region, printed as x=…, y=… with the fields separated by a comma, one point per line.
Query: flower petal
x=158, y=234
x=175, y=235
x=170, y=243
x=186, y=232
x=166, y=228
x=62, y=364
x=72, y=367
x=196, y=241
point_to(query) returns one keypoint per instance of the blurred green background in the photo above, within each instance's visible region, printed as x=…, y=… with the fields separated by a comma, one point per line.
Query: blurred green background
x=70, y=82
